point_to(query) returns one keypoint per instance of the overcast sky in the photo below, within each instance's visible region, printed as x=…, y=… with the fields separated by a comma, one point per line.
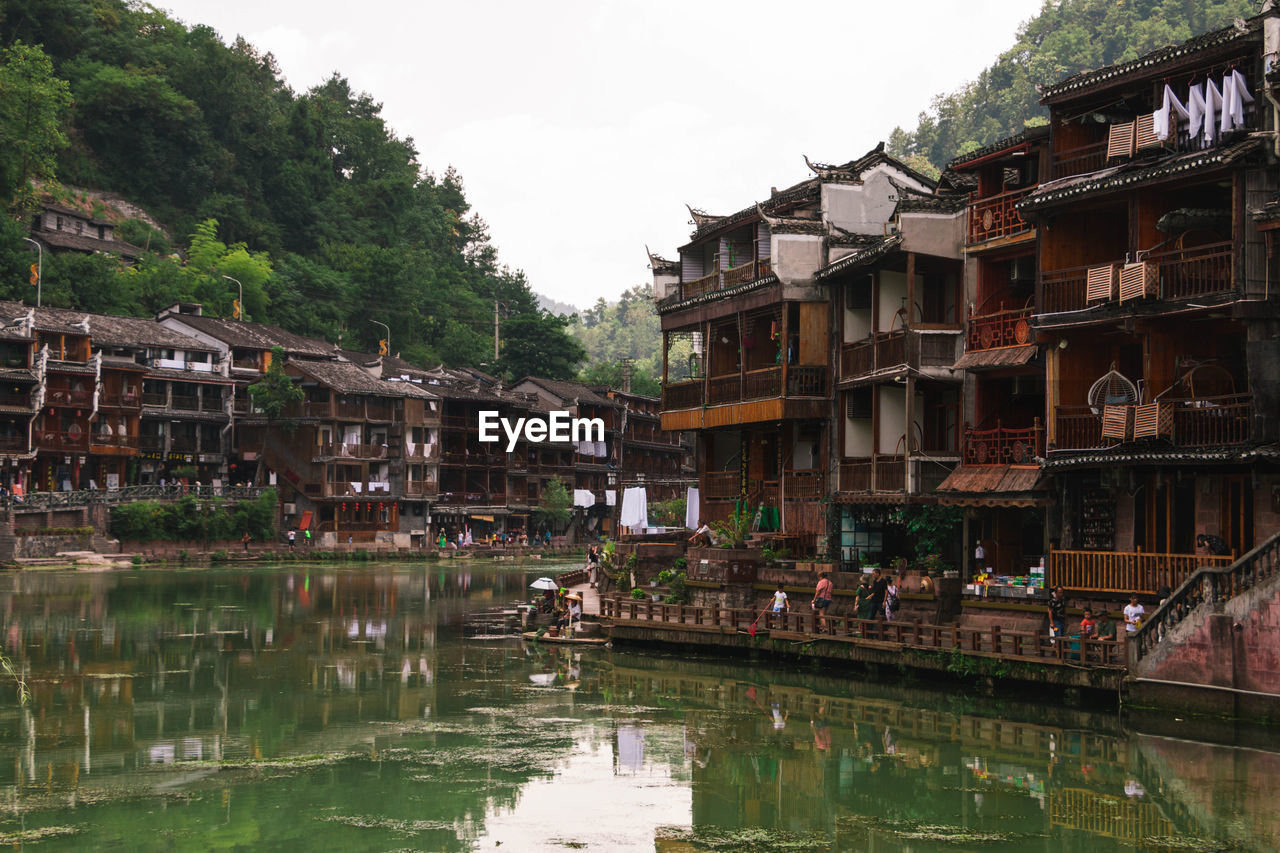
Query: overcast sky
x=582, y=128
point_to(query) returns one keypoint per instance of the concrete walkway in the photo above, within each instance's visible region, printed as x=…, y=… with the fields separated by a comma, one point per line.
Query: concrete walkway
x=590, y=599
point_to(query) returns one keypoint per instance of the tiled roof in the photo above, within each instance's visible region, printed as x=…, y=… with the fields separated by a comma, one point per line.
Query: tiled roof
x=85, y=243
x=258, y=336
x=1137, y=454
x=1148, y=64
x=1138, y=171
x=107, y=329
x=1028, y=134
x=860, y=258
x=176, y=375
x=347, y=378
x=1002, y=357
x=570, y=392
x=991, y=478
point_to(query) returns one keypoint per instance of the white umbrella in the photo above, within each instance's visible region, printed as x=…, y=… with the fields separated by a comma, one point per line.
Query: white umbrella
x=544, y=583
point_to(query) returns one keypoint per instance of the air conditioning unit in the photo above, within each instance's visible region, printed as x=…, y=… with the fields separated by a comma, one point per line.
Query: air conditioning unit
x=291, y=509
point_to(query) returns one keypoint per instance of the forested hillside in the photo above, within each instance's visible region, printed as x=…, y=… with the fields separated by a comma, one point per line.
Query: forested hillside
x=1068, y=36
x=321, y=210
x=626, y=329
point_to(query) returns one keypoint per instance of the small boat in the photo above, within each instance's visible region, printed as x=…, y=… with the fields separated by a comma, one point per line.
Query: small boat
x=568, y=641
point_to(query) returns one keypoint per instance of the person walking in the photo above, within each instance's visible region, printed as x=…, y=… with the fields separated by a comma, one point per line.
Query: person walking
x=822, y=599
x=862, y=599
x=246, y=538
x=293, y=535
x=891, y=602
x=879, y=588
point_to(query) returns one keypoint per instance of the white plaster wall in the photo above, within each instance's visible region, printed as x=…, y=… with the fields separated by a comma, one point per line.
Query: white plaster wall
x=795, y=257
x=893, y=414
x=858, y=440
x=664, y=284
x=933, y=234
x=893, y=290
x=857, y=324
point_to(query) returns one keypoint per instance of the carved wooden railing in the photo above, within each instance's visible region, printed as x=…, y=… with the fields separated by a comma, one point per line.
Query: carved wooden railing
x=1124, y=571
x=914, y=634
x=1003, y=445
x=1212, y=582
x=805, y=380
x=699, y=286
x=1004, y=328
x=996, y=216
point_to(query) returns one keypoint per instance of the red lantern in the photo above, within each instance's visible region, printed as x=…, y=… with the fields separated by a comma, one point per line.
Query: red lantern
x=344, y=506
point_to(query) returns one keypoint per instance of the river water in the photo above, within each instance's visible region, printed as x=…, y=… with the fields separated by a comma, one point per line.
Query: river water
x=367, y=707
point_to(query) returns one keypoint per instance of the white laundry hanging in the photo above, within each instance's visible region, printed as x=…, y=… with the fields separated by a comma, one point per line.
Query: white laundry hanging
x=635, y=508
x=1212, y=104
x=1235, y=94
x=691, y=508
x=1195, y=110
x=1168, y=107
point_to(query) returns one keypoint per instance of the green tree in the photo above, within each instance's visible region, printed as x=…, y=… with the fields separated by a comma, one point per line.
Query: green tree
x=554, y=508
x=538, y=344
x=275, y=392
x=32, y=103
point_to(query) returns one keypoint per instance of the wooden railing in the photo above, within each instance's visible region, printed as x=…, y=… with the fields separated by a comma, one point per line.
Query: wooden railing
x=1195, y=271
x=420, y=487
x=1124, y=571
x=422, y=452
x=682, y=395
x=185, y=402
x=1209, y=584
x=746, y=273
x=724, y=389
x=699, y=286
x=1212, y=421
x=879, y=473
x=759, y=384
x=805, y=380
x=918, y=635
x=1003, y=445
x=352, y=451
x=1080, y=160
x=804, y=484
x=885, y=350
x=65, y=396
x=1004, y=328
x=151, y=442
x=995, y=216
x=1064, y=290
x=112, y=439
x=1077, y=428
x=721, y=485
x=318, y=409
x=56, y=440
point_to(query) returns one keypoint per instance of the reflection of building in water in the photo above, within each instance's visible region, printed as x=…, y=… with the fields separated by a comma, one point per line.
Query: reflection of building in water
x=630, y=754
x=176, y=671
x=842, y=760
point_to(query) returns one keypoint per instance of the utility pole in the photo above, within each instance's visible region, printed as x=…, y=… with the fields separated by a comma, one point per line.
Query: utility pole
x=496, y=325
x=238, y=313
x=39, y=282
x=384, y=346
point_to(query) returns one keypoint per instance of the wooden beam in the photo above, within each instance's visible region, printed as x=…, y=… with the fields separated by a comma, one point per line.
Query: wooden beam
x=911, y=290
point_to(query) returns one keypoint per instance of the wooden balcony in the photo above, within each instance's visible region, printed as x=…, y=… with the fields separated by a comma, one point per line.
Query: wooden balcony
x=724, y=389
x=746, y=273
x=185, y=402
x=420, y=488
x=804, y=484
x=878, y=473
x=49, y=439
x=66, y=397
x=995, y=217
x=1186, y=423
x=1185, y=273
x=315, y=409
x=120, y=400
x=1125, y=571
x=99, y=440
x=421, y=452
x=1003, y=446
x=1080, y=160
x=1004, y=328
x=699, y=286
x=331, y=450
x=886, y=350
x=721, y=485
x=14, y=444
x=153, y=443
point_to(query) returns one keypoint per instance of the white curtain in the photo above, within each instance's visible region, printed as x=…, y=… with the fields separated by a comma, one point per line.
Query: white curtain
x=691, y=508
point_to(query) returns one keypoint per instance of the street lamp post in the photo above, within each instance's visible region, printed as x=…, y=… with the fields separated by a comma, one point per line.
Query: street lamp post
x=240, y=299
x=387, y=329
x=39, y=267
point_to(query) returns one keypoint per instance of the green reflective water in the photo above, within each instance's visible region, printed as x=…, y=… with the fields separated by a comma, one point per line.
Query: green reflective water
x=356, y=709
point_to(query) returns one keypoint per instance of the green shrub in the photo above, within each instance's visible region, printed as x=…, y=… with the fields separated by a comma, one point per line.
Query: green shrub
x=681, y=564
x=638, y=594
x=218, y=557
